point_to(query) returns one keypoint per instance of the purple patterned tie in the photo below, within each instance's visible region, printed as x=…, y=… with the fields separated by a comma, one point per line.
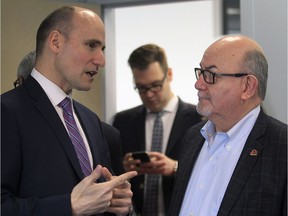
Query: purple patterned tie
x=152, y=180
x=75, y=136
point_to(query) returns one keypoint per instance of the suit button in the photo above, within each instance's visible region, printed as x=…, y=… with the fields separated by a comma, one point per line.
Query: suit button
x=142, y=186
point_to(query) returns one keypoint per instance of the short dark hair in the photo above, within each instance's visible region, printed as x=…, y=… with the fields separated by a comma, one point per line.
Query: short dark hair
x=60, y=20
x=144, y=55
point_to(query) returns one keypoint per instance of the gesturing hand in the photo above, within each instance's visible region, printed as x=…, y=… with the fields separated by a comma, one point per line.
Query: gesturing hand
x=89, y=197
x=122, y=195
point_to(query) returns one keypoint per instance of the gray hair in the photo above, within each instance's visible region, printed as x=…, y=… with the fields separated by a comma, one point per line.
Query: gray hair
x=26, y=65
x=255, y=63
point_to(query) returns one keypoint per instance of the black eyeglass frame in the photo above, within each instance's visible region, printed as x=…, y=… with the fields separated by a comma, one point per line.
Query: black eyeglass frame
x=213, y=74
x=153, y=87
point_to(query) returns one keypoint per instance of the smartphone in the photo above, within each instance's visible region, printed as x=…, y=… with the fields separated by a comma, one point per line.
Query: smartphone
x=143, y=156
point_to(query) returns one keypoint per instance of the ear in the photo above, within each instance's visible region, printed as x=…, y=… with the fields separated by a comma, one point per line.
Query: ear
x=250, y=87
x=169, y=74
x=55, y=41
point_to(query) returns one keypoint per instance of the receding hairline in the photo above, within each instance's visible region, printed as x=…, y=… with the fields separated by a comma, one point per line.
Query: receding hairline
x=86, y=13
x=63, y=20
x=247, y=43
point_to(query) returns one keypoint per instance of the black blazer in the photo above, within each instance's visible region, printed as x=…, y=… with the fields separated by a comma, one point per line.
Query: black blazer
x=131, y=124
x=258, y=186
x=38, y=161
x=112, y=136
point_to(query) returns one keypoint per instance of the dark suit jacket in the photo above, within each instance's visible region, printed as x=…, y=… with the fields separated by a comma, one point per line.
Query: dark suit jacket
x=131, y=124
x=112, y=136
x=258, y=186
x=38, y=161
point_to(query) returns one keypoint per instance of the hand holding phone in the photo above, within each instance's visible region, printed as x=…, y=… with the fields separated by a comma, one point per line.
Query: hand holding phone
x=143, y=156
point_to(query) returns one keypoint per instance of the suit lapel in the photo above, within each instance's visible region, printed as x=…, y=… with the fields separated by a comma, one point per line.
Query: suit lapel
x=179, y=121
x=247, y=161
x=49, y=114
x=92, y=132
x=140, y=128
x=193, y=143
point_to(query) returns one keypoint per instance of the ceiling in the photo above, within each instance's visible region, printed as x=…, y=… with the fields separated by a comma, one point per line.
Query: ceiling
x=119, y=3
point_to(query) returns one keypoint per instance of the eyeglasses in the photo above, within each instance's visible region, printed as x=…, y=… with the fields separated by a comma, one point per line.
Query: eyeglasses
x=209, y=77
x=18, y=81
x=155, y=87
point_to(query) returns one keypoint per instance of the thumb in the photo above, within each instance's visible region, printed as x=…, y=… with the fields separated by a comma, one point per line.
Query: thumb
x=106, y=173
x=96, y=174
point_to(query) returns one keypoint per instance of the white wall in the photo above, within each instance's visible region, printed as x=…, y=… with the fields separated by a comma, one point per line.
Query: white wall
x=266, y=22
x=183, y=29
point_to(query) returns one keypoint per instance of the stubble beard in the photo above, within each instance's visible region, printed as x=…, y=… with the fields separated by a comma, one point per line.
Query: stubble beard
x=203, y=110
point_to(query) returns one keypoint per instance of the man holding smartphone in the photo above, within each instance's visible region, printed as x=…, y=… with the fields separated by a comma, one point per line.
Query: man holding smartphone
x=152, y=78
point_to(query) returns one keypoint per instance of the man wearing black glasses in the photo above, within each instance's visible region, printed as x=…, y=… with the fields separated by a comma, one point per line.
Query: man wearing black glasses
x=236, y=162
x=152, y=78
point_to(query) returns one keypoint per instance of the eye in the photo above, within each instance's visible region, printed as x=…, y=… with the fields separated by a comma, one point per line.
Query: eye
x=95, y=44
x=92, y=45
x=140, y=87
x=156, y=85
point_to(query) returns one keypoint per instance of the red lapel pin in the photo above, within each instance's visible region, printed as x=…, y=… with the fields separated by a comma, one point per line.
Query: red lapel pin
x=253, y=152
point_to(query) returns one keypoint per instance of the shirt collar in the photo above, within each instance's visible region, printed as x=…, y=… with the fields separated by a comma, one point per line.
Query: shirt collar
x=244, y=125
x=54, y=92
x=171, y=106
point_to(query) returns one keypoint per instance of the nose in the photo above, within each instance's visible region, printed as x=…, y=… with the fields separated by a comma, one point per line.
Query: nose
x=149, y=93
x=99, y=58
x=200, y=83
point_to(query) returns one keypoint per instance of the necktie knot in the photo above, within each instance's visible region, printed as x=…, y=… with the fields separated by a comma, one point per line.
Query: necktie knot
x=65, y=104
x=159, y=114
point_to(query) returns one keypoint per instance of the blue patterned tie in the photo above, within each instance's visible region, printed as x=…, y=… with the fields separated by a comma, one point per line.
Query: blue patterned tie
x=75, y=136
x=152, y=180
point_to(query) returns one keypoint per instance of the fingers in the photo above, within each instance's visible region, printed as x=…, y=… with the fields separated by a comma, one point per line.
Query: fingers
x=114, y=180
x=122, y=194
x=156, y=155
x=128, y=155
x=129, y=160
x=157, y=165
x=125, y=177
x=118, y=180
x=130, y=164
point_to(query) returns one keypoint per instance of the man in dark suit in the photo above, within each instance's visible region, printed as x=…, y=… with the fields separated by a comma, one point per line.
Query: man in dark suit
x=42, y=172
x=152, y=78
x=236, y=162
x=111, y=134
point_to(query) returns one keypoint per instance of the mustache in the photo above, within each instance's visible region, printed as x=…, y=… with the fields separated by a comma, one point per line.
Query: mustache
x=203, y=95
